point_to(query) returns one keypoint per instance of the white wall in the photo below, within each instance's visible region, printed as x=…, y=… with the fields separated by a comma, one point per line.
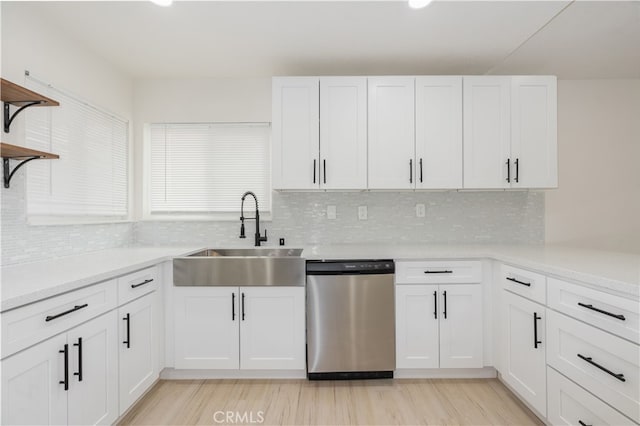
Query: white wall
x=597, y=204
x=29, y=42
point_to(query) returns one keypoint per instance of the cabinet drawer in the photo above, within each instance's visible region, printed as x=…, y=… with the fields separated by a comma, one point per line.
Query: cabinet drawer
x=525, y=283
x=137, y=284
x=25, y=326
x=614, y=314
x=603, y=364
x=438, y=272
x=569, y=404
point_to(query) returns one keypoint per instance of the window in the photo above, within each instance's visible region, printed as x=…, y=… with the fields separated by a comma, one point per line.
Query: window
x=202, y=169
x=90, y=178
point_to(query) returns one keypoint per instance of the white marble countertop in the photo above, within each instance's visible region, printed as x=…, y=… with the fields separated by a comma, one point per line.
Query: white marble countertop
x=29, y=282
x=616, y=272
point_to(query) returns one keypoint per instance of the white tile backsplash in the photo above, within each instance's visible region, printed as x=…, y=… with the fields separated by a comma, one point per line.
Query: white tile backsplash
x=301, y=218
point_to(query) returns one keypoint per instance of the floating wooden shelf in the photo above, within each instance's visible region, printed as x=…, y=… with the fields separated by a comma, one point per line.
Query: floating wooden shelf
x=22, y=154
x=21, y=97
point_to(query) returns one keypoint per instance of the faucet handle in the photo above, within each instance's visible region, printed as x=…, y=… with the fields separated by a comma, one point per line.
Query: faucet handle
x=265, y=235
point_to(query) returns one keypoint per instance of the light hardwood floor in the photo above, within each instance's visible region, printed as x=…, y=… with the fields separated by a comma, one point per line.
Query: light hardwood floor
x=302, y=402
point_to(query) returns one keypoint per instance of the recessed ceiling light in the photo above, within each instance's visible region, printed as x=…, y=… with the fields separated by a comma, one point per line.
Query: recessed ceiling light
x=164, y=3
x=418, y=4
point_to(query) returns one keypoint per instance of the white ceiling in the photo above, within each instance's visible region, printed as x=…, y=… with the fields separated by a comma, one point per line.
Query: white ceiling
x=580, y=39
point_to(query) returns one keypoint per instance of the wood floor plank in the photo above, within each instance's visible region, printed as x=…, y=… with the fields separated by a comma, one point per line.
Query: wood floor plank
x=303, y=402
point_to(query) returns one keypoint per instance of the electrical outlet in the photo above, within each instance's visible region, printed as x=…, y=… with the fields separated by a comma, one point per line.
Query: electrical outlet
x=281, y=241
x=362, y=212
x=332, y=212
x=420, y=210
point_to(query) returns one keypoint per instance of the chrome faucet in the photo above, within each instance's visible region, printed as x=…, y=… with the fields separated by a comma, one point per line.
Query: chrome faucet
x=258, y=237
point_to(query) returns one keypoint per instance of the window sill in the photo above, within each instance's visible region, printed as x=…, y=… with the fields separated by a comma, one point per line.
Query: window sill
x=198, y=217
x=74, y=220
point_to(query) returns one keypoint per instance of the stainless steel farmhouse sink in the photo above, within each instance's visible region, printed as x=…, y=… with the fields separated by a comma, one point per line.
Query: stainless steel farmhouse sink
x=240, y=267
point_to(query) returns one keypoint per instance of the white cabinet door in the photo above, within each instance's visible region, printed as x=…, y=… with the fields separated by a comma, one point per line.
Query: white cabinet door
x=534, y=144
x=460, y=326
x=343, y=133
x=486, y=131
x=93, y=361
x=417, y=334
x=137, y=350
x=295, y=121
x=439, y=132
x=206, y=327
x=272, y=328
x=391, y=133
x=31, y=390
x=524, y=352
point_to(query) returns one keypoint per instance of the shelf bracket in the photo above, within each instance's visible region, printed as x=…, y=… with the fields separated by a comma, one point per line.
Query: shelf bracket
x=8, y=173
x=8, y=117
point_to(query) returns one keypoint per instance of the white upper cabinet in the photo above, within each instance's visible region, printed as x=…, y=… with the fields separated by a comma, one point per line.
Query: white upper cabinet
x=343, y=133
x=438, y=132
x=391, y=133
x=295, y=117
x=534, y=141
x=487, y=127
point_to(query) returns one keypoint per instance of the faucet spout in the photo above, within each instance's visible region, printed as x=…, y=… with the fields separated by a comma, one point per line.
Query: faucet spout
x=257, y=238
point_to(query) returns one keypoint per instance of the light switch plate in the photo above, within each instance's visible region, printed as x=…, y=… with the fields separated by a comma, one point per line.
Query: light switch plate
x=332, y=212
x=362, y=212
x=420, y=210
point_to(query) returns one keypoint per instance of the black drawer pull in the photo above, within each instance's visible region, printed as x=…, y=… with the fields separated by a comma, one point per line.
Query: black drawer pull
x=233, y=306
x=142, y=283
x=619, y=376
x=79, y=345
x=410, y=171
x=617, y=316
x=536, y=342
x=314, y=171
x=583, y=423
x=61, y=314
x=518, y=282
x=508, y=169
x=242, y=306
x=65, y=382
x=435, y=304
x=438, y=272
x=128, y=340
x=444, y=295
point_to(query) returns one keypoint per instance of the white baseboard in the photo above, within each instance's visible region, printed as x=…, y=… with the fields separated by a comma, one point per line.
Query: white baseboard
x=446, y=373
x=173, y=374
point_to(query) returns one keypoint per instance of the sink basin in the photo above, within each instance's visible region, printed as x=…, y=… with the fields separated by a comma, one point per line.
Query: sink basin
x=250, y=252
x=240, y=267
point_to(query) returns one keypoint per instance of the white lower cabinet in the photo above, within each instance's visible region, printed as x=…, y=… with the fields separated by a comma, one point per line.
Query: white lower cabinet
x=439, y=326
x=524, y=342
x=569, y=404
x=137, y=349
x=67, y=379
x=251, y=328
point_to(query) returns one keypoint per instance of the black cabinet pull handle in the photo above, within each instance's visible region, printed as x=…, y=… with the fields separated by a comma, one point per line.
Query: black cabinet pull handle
x=444, y=294
x=508, y=169
x=617, y=316
x=142, y=283
x=410, y=171
x=590, y=360
x=518, y=282
x=435, y=304
x=314, y=171
x=65, y=382
x=128, y=320
x=517, y=162
x=421, y=170
x=583, y=423
x=324, y=171
x=233, y=306
x=79, y=345
x=242, y=306
x=446, y=271
x=536, y=342
x=61, y=314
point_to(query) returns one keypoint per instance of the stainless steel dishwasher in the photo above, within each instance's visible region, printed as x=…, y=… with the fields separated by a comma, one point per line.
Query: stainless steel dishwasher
x=350, y=319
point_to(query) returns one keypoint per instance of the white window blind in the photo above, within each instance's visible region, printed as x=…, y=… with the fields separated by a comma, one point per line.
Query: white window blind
x=206, y=167
x=90, y=178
